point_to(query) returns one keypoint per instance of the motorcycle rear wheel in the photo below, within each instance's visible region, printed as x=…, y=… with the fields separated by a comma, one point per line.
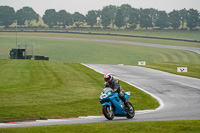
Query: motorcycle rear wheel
x=108, y=112
x=131, y=111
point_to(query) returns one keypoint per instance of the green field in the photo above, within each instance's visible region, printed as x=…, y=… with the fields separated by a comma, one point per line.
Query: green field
x=54, y=89
x=115, y=127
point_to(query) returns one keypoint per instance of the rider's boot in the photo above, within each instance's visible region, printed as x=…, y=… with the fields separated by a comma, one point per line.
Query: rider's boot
x=123, y=98
x=125, y=103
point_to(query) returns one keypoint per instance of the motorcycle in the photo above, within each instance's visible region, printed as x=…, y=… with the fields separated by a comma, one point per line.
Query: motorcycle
x=113, y=106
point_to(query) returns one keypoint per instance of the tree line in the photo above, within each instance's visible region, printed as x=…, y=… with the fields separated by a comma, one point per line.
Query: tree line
x=119, y=16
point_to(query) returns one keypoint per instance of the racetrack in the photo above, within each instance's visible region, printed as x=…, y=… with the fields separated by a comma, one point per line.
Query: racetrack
x=179, y=96
x=193, y=49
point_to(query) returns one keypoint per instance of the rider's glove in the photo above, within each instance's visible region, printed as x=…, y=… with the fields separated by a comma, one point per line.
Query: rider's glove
x=113, y=91
x=106, y=84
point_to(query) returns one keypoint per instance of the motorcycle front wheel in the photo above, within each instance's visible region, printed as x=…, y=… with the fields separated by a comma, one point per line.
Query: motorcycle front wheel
x=108, y=112
x=131, y=111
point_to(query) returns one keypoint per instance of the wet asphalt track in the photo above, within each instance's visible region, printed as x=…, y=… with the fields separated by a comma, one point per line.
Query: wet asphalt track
x=193, y=49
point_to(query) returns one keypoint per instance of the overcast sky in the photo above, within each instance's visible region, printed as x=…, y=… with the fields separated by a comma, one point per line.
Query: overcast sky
x=83, y=6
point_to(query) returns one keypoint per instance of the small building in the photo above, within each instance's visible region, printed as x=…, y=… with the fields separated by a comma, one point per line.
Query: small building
x=21, y=54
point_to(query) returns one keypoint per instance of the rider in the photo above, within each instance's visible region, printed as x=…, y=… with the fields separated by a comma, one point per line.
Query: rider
x=113, y=83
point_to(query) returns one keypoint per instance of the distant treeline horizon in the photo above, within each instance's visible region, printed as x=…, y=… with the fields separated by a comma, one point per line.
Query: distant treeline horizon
x=123, y=16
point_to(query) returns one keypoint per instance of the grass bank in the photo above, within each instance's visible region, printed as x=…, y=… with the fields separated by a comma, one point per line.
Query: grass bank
x=115, y=127
x=40, y=90
x=193, y=68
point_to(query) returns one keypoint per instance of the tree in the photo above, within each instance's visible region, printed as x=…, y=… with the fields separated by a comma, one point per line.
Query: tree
x=119, y=21
x=145, y=19
x=183, y=16
x=78, y=18
x=64, y=18
x=91, y=18
x=7, y=16
x=174, y=19
x=133, y=18
x=50, y=17
x=162, y=19
x=126, y=10
x=192, y=19
x=153, y=13
x=108, y=15
x=26, y=14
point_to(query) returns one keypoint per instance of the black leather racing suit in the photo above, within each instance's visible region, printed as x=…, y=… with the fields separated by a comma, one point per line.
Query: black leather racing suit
x=114, y=84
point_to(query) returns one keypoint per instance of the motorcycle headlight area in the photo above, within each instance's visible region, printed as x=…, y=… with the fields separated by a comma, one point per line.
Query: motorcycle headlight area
x=103, y=96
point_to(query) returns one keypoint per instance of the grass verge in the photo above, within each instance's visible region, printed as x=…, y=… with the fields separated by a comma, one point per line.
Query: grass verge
x=193, y=68
x=128, y=127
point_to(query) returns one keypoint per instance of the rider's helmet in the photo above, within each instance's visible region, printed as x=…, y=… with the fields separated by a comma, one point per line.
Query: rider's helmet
x=108, y=77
